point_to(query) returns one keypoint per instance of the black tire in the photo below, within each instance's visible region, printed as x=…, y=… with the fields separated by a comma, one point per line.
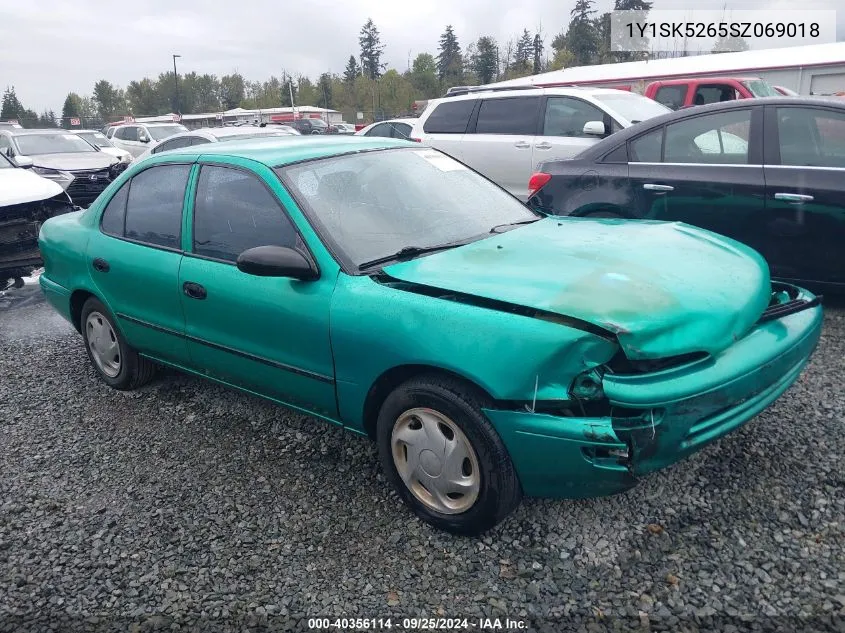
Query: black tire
x=500, y=491
x=18, y=282
x=135, y=371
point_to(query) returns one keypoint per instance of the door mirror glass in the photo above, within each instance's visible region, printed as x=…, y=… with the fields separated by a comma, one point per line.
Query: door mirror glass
x=594, y=128
x=276, y=261
x=23, y=161
x=143, y=137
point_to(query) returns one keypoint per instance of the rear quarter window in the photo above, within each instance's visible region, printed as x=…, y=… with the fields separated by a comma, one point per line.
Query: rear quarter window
x=450, y=117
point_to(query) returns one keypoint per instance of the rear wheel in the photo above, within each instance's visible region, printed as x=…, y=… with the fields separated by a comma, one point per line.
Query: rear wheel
x=116, y=363
x=443, y=456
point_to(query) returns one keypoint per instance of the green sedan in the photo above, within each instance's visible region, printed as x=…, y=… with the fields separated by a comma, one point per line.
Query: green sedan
x=382, y=286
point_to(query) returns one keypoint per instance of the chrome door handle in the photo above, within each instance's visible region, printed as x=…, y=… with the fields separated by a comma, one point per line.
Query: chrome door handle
x=793, y=197
x=543, y=145
x=651, y=187
x=521, y=144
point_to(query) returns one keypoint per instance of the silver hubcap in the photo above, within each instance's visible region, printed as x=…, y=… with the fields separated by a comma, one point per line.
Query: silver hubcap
x=103, y=344
x=436, y=461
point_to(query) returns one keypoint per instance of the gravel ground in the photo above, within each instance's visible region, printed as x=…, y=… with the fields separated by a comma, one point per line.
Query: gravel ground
x=186, y=506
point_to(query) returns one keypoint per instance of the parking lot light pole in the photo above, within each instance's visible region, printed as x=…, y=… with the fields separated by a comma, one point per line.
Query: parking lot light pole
x=176, y=84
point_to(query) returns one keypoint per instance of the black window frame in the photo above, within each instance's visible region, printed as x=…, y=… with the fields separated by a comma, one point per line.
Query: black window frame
x=301, y=245
x=129, y=182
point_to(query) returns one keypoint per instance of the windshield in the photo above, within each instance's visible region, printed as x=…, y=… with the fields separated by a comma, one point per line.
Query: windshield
x=634, y=108
x=760, y=88
x=95, y=138
x=161, y=132
x=52, y=143
x=318, y=122
x=372, y=204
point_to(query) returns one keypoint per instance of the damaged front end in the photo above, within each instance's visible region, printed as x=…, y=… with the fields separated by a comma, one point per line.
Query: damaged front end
x=625, y=418
x=19, y=227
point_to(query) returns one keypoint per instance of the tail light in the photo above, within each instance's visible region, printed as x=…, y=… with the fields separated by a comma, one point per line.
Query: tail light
x=537, y=182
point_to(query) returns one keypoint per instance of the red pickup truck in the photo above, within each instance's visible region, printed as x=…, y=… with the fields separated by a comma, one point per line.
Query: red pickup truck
x=682, y=93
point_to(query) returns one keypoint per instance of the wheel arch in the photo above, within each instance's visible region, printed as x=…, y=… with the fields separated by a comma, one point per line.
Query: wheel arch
x=395, y=376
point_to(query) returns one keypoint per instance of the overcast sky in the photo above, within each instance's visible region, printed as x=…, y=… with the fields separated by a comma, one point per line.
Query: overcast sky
x=52, y=47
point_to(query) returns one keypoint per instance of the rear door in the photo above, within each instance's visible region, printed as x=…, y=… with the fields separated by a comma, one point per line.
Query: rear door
x=562, y=134
x=446, y=126
x=500, y=139
x=705, y=170
x=805, y=193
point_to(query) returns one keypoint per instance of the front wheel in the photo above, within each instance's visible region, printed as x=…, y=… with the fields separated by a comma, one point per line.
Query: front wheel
x=444, y=458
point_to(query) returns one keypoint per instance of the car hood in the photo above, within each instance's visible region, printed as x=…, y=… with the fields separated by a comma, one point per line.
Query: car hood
x=661, y=288
x=72, y=161
x=18, y=186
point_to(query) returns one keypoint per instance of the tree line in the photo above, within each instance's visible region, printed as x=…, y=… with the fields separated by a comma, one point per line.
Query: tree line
x=365, y=85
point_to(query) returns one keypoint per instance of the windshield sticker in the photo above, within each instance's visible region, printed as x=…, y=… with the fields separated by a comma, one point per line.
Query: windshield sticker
x=441, y=161
x=307, y=184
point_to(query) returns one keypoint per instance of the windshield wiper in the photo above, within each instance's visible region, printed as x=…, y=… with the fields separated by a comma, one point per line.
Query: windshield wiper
x=500, y=226
x=407, y=252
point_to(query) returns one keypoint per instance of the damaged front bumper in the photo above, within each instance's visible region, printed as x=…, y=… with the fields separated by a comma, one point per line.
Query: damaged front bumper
x=19, y=227
x=655, y=419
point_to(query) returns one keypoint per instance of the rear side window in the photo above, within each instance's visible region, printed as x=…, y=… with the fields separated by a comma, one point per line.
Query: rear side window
x=382, y=129
x=183, y=141
x=671, y=96
x=509, y=115
x=713, y=93
x=234, y=212
x=720, y=138
x=154, y=205
x=450, y=117
x=113, y=217
x=647, y=148
x=811, y=137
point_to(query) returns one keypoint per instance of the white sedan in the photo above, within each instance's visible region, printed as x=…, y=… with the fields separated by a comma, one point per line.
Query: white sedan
x=218, y=135
x=391, y=128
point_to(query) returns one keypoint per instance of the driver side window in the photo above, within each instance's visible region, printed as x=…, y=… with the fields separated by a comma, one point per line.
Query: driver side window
x=234, y=212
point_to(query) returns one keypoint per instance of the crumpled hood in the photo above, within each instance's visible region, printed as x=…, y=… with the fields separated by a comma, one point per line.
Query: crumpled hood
x=663, y=288
x=72, y=161
x=18, y=186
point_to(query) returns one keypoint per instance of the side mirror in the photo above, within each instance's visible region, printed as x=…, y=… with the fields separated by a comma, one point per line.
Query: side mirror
x=142, y=136
x=23, y=161
x=276, y=261
x=595, y=128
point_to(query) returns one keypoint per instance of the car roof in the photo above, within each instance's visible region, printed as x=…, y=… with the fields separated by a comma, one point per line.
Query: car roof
x=704, y=80
x=617, y=138
x=49, y=130
x=284, y=150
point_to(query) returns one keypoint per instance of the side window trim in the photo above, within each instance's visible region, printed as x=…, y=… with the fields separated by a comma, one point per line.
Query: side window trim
x=301, y=245
x=129, y=185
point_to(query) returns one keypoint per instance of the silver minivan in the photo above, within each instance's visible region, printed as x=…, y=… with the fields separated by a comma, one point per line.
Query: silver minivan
x=505, y=133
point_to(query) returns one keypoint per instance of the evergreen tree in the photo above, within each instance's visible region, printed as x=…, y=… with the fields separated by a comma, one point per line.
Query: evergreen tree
x=449, y=64
x=72, y=108
x=581, y=37
x=324, y=90
x=524, y=51
x=352, y=70
x=538, y=53
x=12, y=108
x=486, y=62
x=371, y=50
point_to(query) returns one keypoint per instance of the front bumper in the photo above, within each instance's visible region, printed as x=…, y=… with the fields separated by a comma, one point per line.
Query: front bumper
x=657, y=419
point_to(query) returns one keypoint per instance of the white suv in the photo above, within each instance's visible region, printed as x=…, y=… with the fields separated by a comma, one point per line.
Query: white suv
x=136, y=138
x=505, y=133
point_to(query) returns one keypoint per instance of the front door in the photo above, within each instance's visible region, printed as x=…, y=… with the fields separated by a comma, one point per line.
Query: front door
x=266, y=334
x=134, y=260
x=805, y=195
x=705, y=171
